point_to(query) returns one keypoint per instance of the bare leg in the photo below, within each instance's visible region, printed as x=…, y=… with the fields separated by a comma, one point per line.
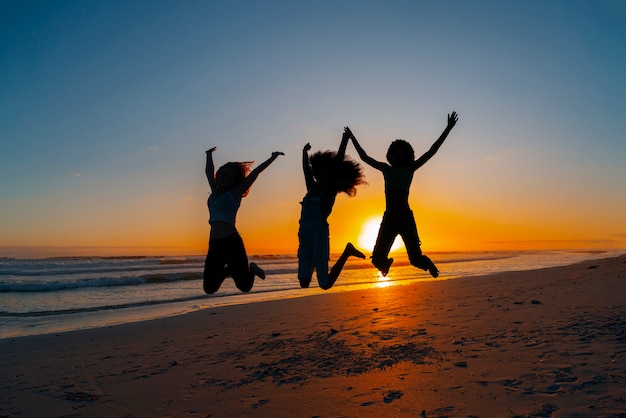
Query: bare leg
x=433, y=270
x=430, y=266
x=349, y=251
x=255, y=270
x=380, y=255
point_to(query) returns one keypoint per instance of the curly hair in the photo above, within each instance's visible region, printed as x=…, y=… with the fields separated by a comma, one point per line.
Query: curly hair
x=349, y=173
x=404, y=148
x=240, y=169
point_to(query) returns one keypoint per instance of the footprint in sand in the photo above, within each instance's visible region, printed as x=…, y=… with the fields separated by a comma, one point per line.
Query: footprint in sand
x=392, y=396
x=552, y=389
x=260, y=403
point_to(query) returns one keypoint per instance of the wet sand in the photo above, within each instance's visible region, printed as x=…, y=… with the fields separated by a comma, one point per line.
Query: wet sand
x=542, y=343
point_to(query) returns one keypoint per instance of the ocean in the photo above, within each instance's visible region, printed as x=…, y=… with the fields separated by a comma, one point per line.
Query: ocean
x=41, y=296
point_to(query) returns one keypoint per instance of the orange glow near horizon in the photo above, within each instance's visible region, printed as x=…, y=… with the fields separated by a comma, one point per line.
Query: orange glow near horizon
x=271, y=230
x=438, y=230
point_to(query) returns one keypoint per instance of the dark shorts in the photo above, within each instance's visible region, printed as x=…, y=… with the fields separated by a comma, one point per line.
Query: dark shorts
x=227, y=257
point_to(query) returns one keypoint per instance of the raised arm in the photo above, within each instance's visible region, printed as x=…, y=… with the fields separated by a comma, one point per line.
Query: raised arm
x=306, y=167
x=452, y=118
x=378, y=165
x=209, y=169
x=250, y=178
x=341, y=152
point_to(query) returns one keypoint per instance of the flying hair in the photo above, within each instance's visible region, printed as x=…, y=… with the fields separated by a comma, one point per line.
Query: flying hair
x=349, y=173
x=240, y=169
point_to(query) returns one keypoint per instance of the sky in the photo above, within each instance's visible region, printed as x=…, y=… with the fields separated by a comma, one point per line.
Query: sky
x=107, y=108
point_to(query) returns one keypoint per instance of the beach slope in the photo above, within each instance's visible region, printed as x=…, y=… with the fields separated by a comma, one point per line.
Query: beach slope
x=542, y=343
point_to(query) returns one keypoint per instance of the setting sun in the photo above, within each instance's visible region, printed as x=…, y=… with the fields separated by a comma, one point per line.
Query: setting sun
x=369, y=232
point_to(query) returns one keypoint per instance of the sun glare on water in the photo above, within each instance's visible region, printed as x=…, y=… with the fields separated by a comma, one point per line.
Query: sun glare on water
x=383, y=281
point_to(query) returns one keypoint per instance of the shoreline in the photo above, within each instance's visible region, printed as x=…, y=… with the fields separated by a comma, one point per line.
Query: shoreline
x=48, y=325
x=136, y=309
x=548, y=342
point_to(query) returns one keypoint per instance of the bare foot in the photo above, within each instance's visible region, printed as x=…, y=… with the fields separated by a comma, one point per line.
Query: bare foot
x=352, y=251
x=433, y=271
x=427, y=264
x=258, y=271
x=385, y=270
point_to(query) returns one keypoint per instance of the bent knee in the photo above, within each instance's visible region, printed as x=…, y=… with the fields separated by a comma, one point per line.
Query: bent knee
x=325, y=283
x=209, y=290
x=245, y=289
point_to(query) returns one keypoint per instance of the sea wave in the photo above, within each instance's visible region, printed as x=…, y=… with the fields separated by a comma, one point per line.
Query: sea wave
x=51, y=285
x=42, y=269
x=294, y=286
x=55, y=285
x=95, y=308
x=75, y=273
x=49, y=275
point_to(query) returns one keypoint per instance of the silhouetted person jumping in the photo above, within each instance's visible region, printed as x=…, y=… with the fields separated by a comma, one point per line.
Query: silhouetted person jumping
x=398, y=217
x=228, y=186
x=326, y=174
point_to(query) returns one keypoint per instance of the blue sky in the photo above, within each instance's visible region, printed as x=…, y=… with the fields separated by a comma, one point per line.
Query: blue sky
x=106, y=109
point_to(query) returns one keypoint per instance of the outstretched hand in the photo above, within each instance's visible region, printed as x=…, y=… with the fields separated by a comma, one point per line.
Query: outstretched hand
x=211, y=151
x=275, y=154
x=307, y=147
x=347, y=132
x=452, y=118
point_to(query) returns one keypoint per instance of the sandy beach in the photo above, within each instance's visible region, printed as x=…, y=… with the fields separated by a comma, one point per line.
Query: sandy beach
x=543, y=343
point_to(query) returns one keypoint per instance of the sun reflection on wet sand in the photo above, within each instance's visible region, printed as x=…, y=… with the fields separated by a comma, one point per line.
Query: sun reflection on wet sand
x=383, y=281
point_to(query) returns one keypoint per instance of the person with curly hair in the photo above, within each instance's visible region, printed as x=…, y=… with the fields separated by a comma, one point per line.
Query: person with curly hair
x=326, y=174
x=227, y=254
x=398, y=217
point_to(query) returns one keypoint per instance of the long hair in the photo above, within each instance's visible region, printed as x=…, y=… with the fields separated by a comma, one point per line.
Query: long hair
x=240, y=169
x=349, y=173
x=404, y=149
